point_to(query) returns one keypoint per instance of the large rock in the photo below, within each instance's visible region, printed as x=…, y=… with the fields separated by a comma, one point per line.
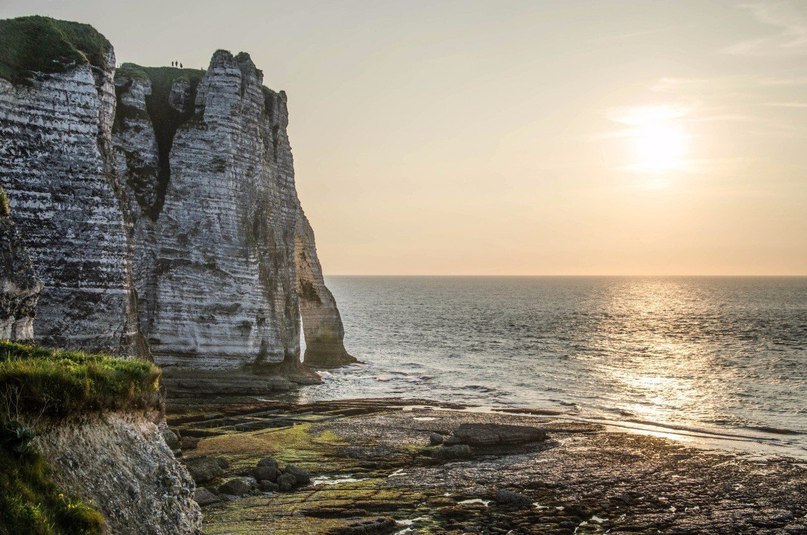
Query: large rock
x=19, y=284
x=474, y=434
x=120, y=463
x=203, y=497
x=56, y=166
x=301, y=476
x=224, y=260
x=238, y=486
x=160, y=210
x=203, y=469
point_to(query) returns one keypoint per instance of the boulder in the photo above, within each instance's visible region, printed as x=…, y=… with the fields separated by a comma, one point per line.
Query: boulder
x=267, y=461
x=435, y=439
x=203, y=497
x=301, y=477
x=513, y=499
x=497, y=434
x=268, y=486
x=203, y=469
x=266, y=473
x=286, y=482
x=171, y=437
x=238, y=486
x=189, y=443
x=457, y=451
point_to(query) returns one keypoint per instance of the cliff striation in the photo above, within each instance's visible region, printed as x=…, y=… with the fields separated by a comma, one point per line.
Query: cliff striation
x=160, y=210
x=56, y=167
x=19, y=285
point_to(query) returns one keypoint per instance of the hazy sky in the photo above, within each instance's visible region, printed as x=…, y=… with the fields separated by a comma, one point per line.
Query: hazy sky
x=519, y=137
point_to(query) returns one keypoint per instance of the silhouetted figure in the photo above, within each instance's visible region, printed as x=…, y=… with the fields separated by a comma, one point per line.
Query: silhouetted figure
x=180, y=66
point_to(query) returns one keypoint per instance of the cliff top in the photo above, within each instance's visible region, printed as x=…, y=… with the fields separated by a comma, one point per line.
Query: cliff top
x=37, y=380
x=42, y=44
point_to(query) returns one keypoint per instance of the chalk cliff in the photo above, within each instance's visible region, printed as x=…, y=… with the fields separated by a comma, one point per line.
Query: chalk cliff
x=159, y=208
x=19, y=285
x=55, y=165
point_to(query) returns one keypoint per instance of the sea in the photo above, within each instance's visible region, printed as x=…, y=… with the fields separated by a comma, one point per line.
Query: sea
x=709, y=360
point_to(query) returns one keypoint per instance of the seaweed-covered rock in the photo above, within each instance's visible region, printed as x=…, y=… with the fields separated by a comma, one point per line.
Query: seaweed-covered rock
x=484, y=434
x=286, y=482
x=203, y=469
x=266, y=473
x=301, y=476
x=238, y=486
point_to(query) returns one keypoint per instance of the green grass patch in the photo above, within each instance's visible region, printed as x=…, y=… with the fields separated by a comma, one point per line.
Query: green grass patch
x=38, y=381
x=42, y=44
x=31, y=503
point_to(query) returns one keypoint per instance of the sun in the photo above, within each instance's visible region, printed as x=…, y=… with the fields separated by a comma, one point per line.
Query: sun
x=659, y=142
x=659, y=147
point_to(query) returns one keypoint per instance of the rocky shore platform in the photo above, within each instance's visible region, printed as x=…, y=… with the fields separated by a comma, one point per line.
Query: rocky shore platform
x=395, y=466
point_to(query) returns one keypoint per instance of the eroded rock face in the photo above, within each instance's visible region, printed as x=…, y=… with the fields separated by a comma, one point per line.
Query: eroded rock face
x=322, y=324
x=19, y=285
x=159, y=208
x=120, y=463
x=222, y=248
x=55, y=165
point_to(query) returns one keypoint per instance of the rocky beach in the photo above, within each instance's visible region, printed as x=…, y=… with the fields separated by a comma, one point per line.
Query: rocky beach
x=407, y=466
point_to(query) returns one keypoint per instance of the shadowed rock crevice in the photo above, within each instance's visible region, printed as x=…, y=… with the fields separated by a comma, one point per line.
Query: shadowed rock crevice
x=169, y=103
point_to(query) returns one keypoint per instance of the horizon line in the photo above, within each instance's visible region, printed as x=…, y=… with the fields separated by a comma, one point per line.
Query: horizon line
x=773, y=275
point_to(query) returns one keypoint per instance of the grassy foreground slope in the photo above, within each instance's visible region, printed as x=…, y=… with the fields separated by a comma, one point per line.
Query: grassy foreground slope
x=40, y=384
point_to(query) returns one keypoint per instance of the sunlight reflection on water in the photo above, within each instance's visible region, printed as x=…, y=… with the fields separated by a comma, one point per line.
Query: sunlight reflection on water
x=705, y=353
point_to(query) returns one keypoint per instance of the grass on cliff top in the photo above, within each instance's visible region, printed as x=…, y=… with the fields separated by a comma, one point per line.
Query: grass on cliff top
x=43, y=44
x=38, y=381
x=31, y=503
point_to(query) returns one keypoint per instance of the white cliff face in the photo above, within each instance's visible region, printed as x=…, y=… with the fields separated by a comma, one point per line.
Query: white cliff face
x=159, y=209
x=19, y=285
x=322, y=324
x=55, y=165
x=217, y=231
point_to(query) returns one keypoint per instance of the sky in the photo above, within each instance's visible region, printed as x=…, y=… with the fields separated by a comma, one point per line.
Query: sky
x=519, y=137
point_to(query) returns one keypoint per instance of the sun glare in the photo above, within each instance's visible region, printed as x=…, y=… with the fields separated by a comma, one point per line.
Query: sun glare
x=658, y=141
x=659, y=147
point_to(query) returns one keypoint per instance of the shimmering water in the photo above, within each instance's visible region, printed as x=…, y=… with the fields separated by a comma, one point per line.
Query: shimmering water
x=725, y=355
